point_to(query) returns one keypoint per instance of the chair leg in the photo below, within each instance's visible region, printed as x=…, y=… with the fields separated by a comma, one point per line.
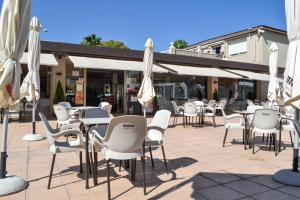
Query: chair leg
x=120, y=165
x=95, y=166
x=275, y=146
x=224, y=140
x=174, y=119
x=271, y=138
x=108, y=180
x=51, y=170
x=279, y=144
x=144, y=173
x=214, y=121
x=165, y=160
x=80, y=162
x=291, y=139
x=253, y=142
x=150, y=150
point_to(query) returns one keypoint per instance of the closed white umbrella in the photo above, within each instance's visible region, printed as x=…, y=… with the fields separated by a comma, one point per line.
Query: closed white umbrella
x=292, y=69
x=14, y=29
x=30, y=87
x=146, y=92
x=292, y=87
x=273, y=88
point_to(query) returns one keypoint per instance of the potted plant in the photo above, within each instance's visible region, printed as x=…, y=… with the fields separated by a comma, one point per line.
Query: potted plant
x=155, y=105
x=216, y=95
x=59, y=94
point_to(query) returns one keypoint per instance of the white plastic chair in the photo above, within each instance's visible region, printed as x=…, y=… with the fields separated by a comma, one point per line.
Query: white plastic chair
x=73, y=113
x=156, y=129
x=102, y=104
x=288, y=127
x=232, y=125
x=265, y=121
x=62, y=116
x=124, y=141
x=210, y=112
x=107, y=108
x=250, y=102
x=178, y=111
x=189, y=110
x=62, y=147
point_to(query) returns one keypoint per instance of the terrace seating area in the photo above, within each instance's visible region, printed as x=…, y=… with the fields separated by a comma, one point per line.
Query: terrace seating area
x=189, y=163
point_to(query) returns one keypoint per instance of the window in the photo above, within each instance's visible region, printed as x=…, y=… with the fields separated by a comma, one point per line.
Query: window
x=237, y=46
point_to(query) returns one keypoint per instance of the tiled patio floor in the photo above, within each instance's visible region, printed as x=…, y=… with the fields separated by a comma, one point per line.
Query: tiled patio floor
x=200, y=169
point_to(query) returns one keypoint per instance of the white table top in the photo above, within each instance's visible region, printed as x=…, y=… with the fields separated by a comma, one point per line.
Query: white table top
x=94, y=121
x=83, y=107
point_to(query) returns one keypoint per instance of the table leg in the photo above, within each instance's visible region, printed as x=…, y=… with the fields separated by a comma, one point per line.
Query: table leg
x=87, y=159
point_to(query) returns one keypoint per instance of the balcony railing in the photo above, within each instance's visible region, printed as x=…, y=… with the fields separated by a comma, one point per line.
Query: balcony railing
x=197, y=54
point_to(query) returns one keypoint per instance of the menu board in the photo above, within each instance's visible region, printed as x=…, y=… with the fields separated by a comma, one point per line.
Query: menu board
x=79, y=93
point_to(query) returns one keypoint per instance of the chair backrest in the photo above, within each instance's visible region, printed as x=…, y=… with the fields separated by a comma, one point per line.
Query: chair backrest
x=175, y=107
x=126, y=134
x=65, y=104
x=250, y=102
x=199, y=103
x=28, y=106
x=190, y=108
x=48, y=128
x=266, y=118
x=107, y=108
x=161, y=119
x=61, y=112
x=222, y=103
x=212, y=103
x=102, y=104
x=252, y=109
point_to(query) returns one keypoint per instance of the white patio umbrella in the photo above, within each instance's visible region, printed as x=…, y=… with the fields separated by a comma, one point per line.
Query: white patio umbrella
x=273, y=88
x=146, y=92
x=14, y=29
x=292, y=87
x=30, y=87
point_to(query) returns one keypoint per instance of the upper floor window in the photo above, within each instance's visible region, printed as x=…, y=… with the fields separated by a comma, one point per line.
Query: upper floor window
x=237, y=46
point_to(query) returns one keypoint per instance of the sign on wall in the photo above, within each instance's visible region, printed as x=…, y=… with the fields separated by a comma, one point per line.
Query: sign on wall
x=79, y=93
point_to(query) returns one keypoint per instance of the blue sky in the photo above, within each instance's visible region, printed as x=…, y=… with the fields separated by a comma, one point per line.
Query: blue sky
x=133, y=21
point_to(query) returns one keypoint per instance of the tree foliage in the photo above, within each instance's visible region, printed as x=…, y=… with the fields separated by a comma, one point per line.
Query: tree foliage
x=93, y=40
x=216, y=95
x=180, y=44
x=59, y=94
x=114, y=44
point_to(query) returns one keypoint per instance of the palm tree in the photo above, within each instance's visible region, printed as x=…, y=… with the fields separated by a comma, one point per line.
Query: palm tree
x=180, y=44
x=91, y=40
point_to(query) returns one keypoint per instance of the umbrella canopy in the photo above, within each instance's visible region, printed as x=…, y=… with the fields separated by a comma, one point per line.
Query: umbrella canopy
x=146, y=92
x=14, y=29
x=292, y=70
x=273, y=84
x=30, y=87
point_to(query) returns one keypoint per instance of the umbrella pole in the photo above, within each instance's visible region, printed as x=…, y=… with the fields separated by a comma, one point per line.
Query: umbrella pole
x=31, y=137
x=4, y=145
x=33, y=116
x=288, y=176
x=8, y=184
x=296, y=141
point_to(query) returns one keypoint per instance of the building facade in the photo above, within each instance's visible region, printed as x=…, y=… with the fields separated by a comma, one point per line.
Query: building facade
x=248, y=46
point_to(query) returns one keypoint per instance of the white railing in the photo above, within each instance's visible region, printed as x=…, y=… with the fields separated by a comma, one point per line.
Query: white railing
x=197, y=54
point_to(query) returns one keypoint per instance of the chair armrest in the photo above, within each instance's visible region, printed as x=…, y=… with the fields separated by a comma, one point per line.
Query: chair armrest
x=70, y=126
x=94, y=132
x=210, y=109
x=234, y=116
x=155, y=127
x=66, y=133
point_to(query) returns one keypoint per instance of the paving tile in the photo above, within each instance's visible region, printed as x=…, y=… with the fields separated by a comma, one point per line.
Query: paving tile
x=220, y=193
x=247, y=187
x=294, y=191
x=221, y=177
x=202, y=182
x=273, y=195
x=266, y=181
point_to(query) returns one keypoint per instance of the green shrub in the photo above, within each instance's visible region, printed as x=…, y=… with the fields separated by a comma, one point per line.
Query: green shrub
x=59, y=94
x=216, y=95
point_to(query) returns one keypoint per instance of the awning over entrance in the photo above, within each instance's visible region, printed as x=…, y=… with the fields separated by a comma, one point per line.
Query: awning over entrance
x=111, y=64
x=200, y=71
x=251, y=75
x=45, y=59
